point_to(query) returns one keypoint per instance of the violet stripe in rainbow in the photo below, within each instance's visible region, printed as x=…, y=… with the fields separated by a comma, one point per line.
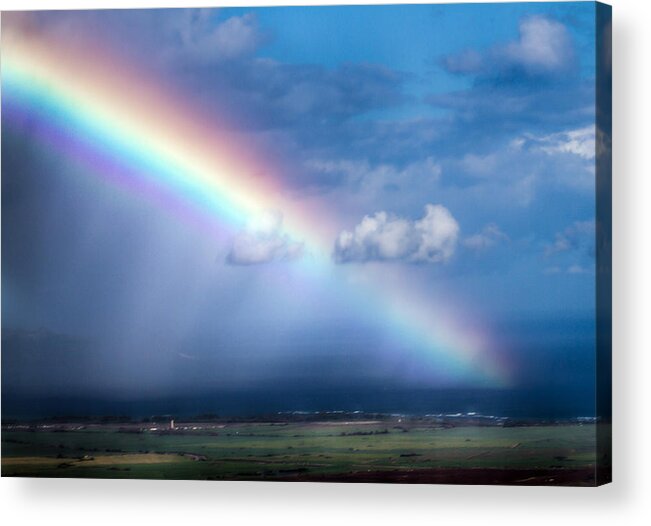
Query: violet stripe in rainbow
x=126, y=128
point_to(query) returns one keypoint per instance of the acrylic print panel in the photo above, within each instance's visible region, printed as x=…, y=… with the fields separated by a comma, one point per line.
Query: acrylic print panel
x=352, y=244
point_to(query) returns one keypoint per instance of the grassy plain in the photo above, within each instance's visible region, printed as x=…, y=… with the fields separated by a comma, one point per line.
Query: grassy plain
x=372, y=451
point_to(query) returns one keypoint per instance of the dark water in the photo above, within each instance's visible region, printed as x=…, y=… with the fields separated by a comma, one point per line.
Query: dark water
x=515, y=403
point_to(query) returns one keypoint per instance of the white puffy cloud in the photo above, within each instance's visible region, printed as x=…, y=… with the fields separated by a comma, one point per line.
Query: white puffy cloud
x=384, y=237
x=567, y=157
x=579, y=142
x=489, y=236
x=263, y=241
x=544, y=44
x=204, y=41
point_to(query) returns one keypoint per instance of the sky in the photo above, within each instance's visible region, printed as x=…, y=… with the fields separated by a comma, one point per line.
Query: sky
x=421, y=214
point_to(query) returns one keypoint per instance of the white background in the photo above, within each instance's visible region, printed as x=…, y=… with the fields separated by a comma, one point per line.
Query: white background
x=625, y=502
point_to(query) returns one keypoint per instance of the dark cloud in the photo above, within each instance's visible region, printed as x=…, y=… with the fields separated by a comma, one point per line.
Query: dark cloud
x=269, y=94
x=531, y=84
x=514, y=107
x=220, y=60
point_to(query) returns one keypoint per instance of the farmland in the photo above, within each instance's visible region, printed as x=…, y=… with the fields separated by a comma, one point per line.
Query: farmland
x=384, y=450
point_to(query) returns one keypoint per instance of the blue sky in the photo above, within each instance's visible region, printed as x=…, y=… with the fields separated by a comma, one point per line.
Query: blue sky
x=486, y=111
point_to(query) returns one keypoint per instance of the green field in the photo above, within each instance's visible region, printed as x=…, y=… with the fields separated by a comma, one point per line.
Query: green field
x=381, y=451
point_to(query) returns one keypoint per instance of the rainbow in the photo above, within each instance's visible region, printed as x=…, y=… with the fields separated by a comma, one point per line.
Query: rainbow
x=127, y=128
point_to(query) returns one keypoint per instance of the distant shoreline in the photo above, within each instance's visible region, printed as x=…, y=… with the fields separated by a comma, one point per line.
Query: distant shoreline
x=356, y=417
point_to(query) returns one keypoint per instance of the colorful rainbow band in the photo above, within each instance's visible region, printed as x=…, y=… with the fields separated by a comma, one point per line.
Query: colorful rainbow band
x=100, y=112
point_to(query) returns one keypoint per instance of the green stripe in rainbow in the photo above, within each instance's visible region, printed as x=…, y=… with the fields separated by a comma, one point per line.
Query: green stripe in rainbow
x=164, y=146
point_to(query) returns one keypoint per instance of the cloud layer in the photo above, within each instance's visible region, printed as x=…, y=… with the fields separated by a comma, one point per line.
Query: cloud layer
x=383, y=237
